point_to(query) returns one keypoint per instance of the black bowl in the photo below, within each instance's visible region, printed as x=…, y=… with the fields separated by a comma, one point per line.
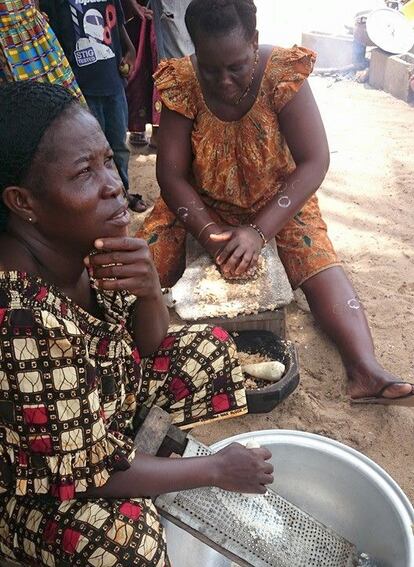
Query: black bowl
x=265, y=399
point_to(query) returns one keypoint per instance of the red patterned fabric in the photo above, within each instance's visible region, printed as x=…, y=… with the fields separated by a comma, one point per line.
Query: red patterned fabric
x=77, y=382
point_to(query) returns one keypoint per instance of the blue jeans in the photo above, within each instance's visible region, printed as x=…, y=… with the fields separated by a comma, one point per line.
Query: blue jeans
x=112, y=114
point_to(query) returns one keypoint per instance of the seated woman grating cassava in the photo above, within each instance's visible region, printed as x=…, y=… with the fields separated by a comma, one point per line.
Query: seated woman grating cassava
x=241, y=152
x=80, y=303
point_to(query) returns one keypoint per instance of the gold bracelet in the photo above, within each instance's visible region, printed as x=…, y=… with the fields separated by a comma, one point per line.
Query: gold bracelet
x=204, y=228
x=259, y=232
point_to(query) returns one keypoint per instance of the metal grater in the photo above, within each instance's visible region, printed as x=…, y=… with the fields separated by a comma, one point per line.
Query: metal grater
x=259, y=531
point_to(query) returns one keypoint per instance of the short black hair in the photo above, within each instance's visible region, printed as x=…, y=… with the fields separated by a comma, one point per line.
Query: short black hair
x=27, y=109
x=220, y=17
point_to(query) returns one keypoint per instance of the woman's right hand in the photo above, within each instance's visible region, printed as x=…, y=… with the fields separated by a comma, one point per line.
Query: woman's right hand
x=238, y=469
x=211, y=246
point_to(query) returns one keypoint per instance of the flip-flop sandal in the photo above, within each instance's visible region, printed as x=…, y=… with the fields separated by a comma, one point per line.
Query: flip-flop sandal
x=380, y=399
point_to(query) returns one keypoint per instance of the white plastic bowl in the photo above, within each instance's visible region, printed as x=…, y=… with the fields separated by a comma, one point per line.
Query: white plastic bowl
x=335, y=484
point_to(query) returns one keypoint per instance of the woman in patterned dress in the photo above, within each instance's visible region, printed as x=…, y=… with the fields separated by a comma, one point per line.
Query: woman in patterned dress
x=73, y=491
x=29, y=48
x=249, y=152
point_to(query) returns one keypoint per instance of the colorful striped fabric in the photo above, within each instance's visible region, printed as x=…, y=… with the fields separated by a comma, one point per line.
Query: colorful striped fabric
x=29, y=48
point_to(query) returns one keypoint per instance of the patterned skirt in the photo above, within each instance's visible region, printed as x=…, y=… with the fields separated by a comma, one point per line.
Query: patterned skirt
x=29, y=49
x=303, y=243
x=195, y=377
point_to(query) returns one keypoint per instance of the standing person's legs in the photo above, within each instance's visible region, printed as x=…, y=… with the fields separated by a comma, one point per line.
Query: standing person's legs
x=96, y=106
x=112, y=115
x=173, y=39
x=116, y=127
x=156, y=8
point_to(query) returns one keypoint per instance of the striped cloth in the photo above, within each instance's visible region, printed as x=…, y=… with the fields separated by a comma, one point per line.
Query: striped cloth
x=29, y=48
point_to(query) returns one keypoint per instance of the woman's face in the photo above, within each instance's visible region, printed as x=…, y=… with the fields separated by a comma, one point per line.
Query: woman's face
x=226, y=63
x=81, y=196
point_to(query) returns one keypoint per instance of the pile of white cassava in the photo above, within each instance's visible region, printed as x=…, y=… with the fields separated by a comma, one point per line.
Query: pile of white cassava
x=259, y=370
x=203, y=292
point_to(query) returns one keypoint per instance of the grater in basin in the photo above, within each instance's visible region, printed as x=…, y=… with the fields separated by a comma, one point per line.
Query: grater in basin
x=258, y=531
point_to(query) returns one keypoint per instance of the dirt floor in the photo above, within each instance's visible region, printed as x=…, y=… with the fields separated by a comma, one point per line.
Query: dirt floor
x=368, y=201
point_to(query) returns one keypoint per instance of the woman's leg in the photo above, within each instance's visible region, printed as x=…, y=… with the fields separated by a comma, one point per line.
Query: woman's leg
x=335, y=306
x=195, y=376
x=42, y=531
x=311, y=263
x=166, y=240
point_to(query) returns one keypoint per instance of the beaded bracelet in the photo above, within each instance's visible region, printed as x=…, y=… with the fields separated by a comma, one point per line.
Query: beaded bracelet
x=259, y=232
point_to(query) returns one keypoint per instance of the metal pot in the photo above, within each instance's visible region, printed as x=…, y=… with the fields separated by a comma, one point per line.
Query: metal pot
x=335, y=484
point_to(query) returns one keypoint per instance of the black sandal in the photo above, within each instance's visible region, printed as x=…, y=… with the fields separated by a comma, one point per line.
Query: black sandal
x=136, y=203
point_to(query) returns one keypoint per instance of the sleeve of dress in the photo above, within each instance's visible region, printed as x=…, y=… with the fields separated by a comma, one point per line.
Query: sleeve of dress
x=176, y=83
x=289, y=68
x=53, y=436
x=118, y=306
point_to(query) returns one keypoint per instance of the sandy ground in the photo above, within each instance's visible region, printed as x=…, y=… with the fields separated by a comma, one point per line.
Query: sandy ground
x=367, y=200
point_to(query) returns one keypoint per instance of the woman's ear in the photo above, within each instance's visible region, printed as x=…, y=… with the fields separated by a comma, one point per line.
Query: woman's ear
x=19, y=201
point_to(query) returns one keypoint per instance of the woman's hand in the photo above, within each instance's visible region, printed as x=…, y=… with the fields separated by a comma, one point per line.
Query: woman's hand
x=124, y=264
x=139, y=10
x=240, y=251
x=243, y=470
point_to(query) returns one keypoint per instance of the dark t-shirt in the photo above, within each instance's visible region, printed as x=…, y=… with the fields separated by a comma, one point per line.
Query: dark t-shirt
x=89, y=32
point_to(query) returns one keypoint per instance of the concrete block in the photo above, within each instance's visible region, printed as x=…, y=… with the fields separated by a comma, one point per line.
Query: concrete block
x=377, y=65
x=399, y=70
x=333, y=51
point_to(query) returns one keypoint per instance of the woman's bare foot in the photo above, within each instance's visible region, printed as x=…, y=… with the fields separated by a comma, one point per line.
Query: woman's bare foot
x=370, y=381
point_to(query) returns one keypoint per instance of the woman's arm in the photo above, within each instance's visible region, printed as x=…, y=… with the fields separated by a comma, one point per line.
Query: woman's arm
x=174, y=163
x=234, y=468
x=302, y=127
x=125, y=264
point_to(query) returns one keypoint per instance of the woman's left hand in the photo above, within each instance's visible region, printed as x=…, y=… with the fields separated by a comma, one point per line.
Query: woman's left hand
x=126, y=264
x=241, y=251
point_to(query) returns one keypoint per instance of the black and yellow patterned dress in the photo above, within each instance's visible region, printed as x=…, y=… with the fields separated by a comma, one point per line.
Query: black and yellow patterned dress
x=70, y=385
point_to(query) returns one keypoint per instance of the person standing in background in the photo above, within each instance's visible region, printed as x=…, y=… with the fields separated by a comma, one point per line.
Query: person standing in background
x=29, y=49
x=93, y=36
x=173, y=40
x=144, y=105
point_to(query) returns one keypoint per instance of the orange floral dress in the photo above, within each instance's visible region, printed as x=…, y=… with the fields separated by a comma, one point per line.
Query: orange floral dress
x=240, y=166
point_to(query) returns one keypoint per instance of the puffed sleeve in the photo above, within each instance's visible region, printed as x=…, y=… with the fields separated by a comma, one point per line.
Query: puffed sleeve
x=288, y=69
x=53, y=436
x=177, y=85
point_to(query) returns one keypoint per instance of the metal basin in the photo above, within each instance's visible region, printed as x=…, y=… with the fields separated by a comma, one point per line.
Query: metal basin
x=335, y=484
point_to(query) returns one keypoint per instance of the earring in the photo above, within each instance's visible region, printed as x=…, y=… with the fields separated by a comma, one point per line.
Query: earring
x=30, y=219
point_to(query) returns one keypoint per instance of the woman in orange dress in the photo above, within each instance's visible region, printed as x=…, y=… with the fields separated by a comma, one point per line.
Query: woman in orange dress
x=242, y=151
